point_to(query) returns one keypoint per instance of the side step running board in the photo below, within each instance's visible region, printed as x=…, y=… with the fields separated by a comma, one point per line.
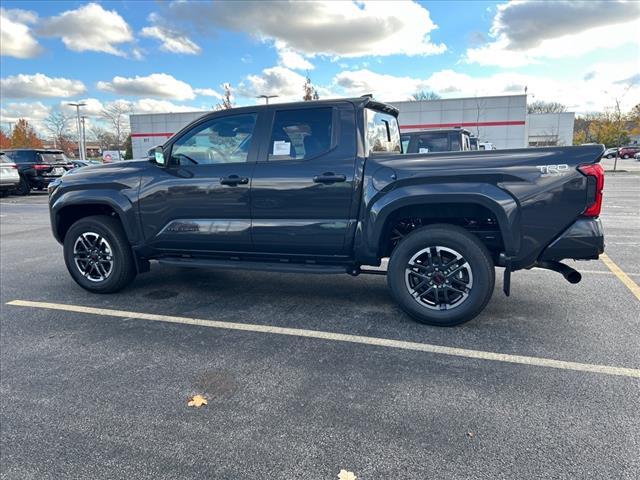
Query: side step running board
x=284, y=267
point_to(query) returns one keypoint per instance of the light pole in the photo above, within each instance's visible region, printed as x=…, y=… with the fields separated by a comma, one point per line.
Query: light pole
x=267, y=97
x=84, y=138
x=80, y=142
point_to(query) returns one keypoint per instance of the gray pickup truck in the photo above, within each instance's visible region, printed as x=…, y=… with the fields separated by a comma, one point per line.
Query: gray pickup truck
x=323, y=187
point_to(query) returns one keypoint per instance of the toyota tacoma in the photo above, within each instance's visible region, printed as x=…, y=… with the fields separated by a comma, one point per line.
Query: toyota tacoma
x=324, y=187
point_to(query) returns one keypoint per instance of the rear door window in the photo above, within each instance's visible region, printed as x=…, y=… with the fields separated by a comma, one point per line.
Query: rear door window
x=301, y=134
x=433, y=142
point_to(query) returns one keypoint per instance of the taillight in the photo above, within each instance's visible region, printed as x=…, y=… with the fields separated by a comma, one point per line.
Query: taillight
x=595, y=183
x=41, y=166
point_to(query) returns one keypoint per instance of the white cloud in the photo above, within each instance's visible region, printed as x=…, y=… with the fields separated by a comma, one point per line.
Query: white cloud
x=526, y=32
x=89, y=28
x=151, y=105
x=608, y=82
x=156, y=85
x=39, y=86
x=290, y=59
x=16, y=39
x=33, y=112
x=92, y=107
x=207, y=92
x=341, y=29
x=281, y=81
x=172, y=40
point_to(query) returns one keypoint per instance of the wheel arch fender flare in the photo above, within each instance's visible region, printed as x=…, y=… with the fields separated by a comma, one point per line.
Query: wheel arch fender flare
x=116, y=201
x=504, y=207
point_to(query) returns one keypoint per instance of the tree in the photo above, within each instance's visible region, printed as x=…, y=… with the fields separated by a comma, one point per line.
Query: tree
x=106, y=140
x=227, y=98
x=5, y=141
x=116, y=114
x=422, y=95
x=128, y=147
x=58, y=124
x=546, y=107
x=310, y=93
x=24, y=136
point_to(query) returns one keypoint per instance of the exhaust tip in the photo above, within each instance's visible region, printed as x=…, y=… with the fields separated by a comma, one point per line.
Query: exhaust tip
x=573, y=277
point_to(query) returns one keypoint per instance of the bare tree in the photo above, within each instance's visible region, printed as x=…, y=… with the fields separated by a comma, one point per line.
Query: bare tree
x=424, y=95
x=117, y=115
x=546, y=107
x=106, y=140
x=480, y=106
x=227, y=98
x=58, y=124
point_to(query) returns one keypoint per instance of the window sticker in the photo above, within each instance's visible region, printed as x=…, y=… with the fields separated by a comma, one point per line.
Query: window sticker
x=280, y=147
x=423, y=150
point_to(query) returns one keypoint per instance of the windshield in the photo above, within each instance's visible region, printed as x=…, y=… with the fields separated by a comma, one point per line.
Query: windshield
x=54, y=157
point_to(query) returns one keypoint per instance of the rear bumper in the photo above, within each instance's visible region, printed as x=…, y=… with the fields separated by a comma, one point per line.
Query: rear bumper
x=584, y=240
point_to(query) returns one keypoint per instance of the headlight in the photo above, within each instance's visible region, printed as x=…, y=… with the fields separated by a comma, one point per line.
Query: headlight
x=53, y=185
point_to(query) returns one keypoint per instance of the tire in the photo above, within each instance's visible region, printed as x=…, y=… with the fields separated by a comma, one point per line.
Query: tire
x=23, y=187
x=625, y=156
x=469, y=288
x=609, y=156
x=101, y=235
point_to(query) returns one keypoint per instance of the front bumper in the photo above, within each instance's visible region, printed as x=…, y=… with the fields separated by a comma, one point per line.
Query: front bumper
x=583, y=240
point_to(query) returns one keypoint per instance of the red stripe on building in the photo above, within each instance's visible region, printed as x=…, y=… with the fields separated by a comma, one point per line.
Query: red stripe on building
x=466, y=124
x=151, y=134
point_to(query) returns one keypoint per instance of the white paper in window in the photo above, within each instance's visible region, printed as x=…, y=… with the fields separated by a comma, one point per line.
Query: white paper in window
x=423, y=150
x=280, y=147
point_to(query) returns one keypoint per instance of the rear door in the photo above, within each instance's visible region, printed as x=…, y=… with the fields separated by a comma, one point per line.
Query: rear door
x=303, y=186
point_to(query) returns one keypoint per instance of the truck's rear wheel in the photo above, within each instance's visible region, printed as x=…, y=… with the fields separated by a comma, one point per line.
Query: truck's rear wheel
x=98, y=255
x=441, y=275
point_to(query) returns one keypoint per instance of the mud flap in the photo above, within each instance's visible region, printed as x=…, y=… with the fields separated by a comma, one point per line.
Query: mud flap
x=506, y=281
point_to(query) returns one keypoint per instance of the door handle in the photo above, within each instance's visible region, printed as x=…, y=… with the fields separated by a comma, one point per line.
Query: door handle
x=329, y=177
x=234, y=180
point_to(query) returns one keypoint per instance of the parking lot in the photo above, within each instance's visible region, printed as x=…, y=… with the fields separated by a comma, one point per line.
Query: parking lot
x=308, y=375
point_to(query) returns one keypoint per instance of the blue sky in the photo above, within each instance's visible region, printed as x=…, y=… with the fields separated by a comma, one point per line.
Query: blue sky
x=170, y=56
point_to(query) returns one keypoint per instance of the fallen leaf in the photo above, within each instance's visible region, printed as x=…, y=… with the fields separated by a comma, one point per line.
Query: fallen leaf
x=344, y=475
x=197, y=401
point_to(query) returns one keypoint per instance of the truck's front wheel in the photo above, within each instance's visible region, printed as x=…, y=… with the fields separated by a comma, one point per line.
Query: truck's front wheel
x=441, y=275
x=98, y=255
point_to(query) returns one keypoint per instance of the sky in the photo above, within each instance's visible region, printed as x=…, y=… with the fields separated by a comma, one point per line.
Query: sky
x=170, y=56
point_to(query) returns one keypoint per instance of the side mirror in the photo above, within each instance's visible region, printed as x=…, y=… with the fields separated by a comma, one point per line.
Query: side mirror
x=157, y=155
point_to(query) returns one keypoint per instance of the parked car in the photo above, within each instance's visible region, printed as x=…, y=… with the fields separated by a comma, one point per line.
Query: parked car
x=9, y=176
x=637, y=156
x=610, y=153
x=322, y=187
x=436, y=141
x=628, y=151
x=80, y=163
x=38, y=167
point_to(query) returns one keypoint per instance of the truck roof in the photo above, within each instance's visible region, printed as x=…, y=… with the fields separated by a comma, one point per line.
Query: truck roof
x=358, y=102
x=439, y=130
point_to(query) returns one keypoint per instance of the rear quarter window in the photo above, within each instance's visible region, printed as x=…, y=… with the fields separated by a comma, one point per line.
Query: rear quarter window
x=383, y=133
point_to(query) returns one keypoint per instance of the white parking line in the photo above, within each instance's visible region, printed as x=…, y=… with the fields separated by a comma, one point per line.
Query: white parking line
x=339, y=337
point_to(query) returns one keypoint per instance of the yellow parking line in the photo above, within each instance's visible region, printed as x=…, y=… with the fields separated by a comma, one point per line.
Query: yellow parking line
x=340, y=337
x=624, y=278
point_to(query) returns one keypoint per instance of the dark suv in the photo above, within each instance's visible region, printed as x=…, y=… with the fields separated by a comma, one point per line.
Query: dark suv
x=38, y=167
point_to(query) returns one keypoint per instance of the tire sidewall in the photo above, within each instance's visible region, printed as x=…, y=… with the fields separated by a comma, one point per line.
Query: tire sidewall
x=459, y=240
x=120, y=254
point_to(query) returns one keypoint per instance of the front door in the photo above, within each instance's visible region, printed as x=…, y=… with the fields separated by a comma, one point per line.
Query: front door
x=303, y=185
x=199, y=202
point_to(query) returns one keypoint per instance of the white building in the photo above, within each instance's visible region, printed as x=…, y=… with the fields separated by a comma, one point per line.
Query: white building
x=501, y=120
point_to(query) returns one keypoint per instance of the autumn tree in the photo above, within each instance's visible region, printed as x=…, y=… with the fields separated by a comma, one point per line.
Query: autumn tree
x=310, y=93
x=5, y=141
x=540, y=106
x=128, y=148
x=422, y=95
x=24, y=136
x=105, y=139
x=227, y=98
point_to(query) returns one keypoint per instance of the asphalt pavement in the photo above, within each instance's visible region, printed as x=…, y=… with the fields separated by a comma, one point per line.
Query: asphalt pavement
x=103, y=394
